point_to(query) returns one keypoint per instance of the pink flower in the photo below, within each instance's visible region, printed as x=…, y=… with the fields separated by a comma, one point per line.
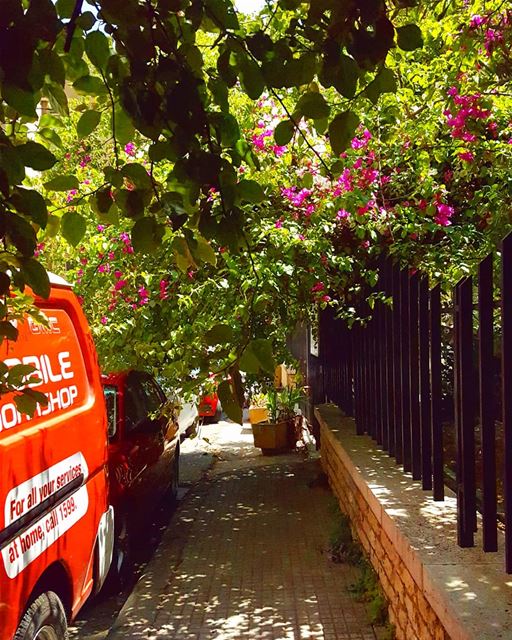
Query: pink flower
x=319, y=286
x=101, y=227
x=104, y=320
x=444, y=214
x=117, y=274
x=119, y=285
x=278, y=224
x=342, y=214
x=129, y=149
x=466, y=156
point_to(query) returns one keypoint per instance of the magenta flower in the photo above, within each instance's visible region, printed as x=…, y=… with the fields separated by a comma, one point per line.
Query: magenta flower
x=104, y=320
x=129, y=149
x=444, y=214
x=466, y=156
x=342, y=214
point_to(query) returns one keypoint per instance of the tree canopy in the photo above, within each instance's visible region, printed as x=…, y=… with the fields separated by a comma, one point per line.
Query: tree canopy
x=207, y=178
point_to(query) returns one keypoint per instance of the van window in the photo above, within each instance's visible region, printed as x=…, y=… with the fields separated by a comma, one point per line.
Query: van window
x=110, y=393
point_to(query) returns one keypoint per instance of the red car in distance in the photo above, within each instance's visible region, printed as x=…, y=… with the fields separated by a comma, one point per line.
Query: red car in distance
x=210, y=407
x=143, y=454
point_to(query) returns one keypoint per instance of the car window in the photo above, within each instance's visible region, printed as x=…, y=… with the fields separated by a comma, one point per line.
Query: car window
x=154, y=397
x=135, y=408
x=110, y=393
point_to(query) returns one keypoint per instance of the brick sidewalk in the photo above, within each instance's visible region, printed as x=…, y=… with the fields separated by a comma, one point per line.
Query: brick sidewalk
x=245, y=558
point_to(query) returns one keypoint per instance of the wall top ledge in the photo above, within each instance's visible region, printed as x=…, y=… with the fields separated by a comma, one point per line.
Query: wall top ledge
x=467, y=588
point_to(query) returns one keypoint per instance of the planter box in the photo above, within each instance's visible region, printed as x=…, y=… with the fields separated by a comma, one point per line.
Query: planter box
x=271, y=437
x=258, y=414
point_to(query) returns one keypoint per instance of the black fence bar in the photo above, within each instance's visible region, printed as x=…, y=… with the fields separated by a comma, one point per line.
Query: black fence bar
x=487, y=404
x=436, y=394
x=404, y=356
x=397, y=365
x=389, y=361
x=465, y=414
x=506, y=372
x=425, y=399
x=385, y=354
x=414, y=377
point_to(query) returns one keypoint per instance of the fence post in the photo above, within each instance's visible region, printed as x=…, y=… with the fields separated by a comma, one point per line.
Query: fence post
x=465, y=413
x=436, y=394
x=389, y=362
x=506, y=369
x=487, y=405
x=426, y=439
x=405, y=365
x=397, y=377
x=414, y=415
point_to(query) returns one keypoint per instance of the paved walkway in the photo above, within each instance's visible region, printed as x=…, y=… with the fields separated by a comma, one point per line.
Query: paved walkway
x=245, y=558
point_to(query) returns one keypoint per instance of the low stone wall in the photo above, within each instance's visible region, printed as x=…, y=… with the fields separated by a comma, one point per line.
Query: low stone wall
x=410, y=541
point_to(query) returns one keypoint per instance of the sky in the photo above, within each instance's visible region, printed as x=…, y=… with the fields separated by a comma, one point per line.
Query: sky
x=249, y=6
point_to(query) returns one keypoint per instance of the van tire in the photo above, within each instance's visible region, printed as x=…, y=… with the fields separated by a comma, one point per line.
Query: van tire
x=44, y=619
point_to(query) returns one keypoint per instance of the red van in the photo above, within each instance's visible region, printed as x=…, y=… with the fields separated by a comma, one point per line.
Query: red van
x=56, y=527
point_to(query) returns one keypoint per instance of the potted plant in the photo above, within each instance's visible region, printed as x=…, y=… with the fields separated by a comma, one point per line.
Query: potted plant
x=289, y=402
x=258, y=411
x=272, y=436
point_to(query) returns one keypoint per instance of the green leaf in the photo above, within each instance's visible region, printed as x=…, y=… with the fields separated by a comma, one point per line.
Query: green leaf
x=346, y=77
x=36, y=277
x=103, y=200
x=89, y=120
x=313, y=105
x=32, y=204
x=97, y=49
x=57, y=98
x=73, y=227
x=182, y=254
x=8, y=330
x=409, y=37
x=27, y=401
x=124, y=126
x=251, y=79
x=249, y=362
x=137, y=174
x=90, y=85
x=35, y=156
x=62, y=183
x=384, y=82
x=24, y=102
x=228, y=401
x=222, y=14
x=147, y=235
x=250, y=191
x=283, y=133
x=204, y=251
x=219, y=334
x=341, y=130
x=262, y=349
x=21, y=234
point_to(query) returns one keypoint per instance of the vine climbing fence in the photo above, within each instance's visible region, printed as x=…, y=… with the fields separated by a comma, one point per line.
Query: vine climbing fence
x=429, y=377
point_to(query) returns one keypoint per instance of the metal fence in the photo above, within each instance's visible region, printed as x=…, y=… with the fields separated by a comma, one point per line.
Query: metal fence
x=389, y=374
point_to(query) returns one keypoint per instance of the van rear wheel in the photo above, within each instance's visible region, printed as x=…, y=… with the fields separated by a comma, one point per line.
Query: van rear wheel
x=45, y=619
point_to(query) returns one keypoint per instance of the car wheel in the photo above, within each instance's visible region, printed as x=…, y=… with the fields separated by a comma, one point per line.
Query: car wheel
x=175, y=476
x=45, y=619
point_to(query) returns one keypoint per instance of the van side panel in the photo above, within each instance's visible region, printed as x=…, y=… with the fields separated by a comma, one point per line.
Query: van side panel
x=52, y=466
